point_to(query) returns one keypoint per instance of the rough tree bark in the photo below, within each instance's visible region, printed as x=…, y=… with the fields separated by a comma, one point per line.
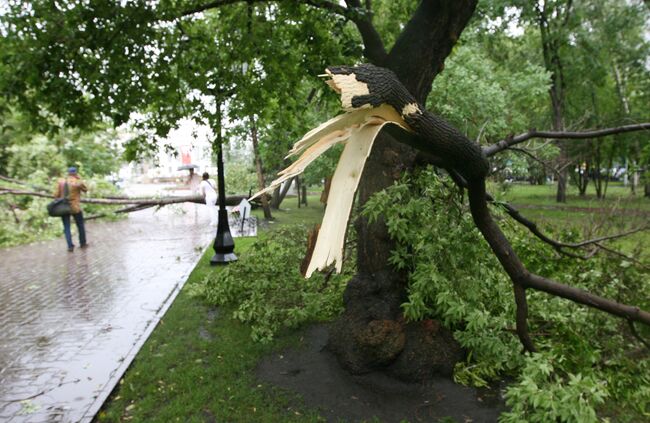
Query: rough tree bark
x=372, y=334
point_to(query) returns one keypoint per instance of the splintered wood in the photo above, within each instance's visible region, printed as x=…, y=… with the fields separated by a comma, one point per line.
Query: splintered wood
x=358, y=129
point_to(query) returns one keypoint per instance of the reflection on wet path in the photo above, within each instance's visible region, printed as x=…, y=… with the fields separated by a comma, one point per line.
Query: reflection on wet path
x=71, y=322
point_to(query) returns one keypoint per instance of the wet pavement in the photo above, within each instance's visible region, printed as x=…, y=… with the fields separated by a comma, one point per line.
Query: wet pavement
x=70, y=323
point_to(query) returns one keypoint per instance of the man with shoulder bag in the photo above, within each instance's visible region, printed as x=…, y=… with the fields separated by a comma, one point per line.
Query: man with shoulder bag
x=71, y=188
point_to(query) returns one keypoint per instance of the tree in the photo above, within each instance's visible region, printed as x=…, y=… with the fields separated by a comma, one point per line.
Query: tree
x=113, y=59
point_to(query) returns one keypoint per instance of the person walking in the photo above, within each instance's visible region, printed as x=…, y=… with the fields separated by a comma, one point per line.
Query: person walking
x=75, y=186
x=208, y=191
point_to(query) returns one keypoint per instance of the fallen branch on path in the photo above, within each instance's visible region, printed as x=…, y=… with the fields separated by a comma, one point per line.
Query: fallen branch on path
x=134, y=204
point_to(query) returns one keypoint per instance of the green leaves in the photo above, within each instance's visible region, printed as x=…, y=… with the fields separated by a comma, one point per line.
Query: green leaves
x=267, y=290
x=584, y=368
x=77, y=63
x=485, y=97
x=543, y=395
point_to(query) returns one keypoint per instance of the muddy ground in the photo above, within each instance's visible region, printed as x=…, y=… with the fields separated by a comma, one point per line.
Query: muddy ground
x=313, y=373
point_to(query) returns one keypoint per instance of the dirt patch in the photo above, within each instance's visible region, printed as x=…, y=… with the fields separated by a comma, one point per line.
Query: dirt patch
x=314, y=373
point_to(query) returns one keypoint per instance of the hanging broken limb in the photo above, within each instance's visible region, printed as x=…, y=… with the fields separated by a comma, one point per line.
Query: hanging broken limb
x=559, y=246
x=366, y=91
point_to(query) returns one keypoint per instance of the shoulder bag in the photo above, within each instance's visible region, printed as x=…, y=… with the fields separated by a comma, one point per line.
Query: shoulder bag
x=60, y=206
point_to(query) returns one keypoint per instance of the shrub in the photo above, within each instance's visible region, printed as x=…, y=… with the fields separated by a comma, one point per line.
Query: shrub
x=266, y=289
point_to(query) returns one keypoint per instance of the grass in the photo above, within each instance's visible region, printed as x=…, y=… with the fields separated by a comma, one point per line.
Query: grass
x=617, y=212
x=198, y=365
x=290, y=214
x=617, y=196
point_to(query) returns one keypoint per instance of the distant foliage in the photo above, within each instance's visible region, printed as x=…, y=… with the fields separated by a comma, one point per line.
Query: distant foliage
x=485, y=99
x=589, y=363
x=240, y=178
x=24, y=219
x=268, y=292
x=40, y=160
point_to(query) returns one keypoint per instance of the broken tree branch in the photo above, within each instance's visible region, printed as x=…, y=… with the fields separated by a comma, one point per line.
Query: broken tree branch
x=558, y=245
x=376, y=87
x=513, y=140
x=374, y=46
x=322, y=4
x=139, y=201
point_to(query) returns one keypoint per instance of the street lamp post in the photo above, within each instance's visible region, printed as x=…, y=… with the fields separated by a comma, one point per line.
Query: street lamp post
x=224, y=246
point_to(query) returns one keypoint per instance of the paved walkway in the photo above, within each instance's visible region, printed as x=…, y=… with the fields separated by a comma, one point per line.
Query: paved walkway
x=72, y=322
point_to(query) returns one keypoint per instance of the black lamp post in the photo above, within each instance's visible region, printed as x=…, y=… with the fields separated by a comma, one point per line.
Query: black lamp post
x=223, y=242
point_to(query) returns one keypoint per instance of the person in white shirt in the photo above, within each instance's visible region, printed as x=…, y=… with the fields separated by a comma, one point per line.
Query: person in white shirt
x=207, y=189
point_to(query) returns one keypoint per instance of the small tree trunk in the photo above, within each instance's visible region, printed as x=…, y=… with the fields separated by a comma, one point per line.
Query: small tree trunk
x=609, y=169
x=326, y=190
x=275, y=199
x=635, y=180
x=298, y=189
x=585, y=178
x=258, y=168
x=560, y=195
x=597, y=177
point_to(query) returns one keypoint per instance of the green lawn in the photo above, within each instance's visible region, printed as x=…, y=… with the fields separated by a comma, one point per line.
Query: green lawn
x=617, y=196
x=617, y=212
x=198, y=364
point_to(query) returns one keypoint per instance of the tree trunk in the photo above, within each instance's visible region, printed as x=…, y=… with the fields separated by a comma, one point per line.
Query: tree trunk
x=275, y=199
x=553, y=64
x=259, y=170
x=372, y=332
x=298, y=189
x=560, y=195
x=583, y=178
x=597, y=177
x=610, y=162
x=280, y=193
x=326, y=190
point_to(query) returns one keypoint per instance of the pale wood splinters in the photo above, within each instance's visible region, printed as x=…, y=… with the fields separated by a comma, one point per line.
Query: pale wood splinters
x=357, y=129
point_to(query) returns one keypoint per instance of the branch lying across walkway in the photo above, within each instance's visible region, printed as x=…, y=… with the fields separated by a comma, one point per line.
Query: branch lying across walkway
x=513, y=140
x=139, y=201
x=23, y=183
x=129, y=209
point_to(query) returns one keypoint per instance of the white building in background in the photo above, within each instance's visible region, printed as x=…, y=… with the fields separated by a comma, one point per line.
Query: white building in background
x=189, y=144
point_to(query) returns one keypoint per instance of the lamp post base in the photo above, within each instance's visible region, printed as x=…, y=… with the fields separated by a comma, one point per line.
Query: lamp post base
x=222, y=258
